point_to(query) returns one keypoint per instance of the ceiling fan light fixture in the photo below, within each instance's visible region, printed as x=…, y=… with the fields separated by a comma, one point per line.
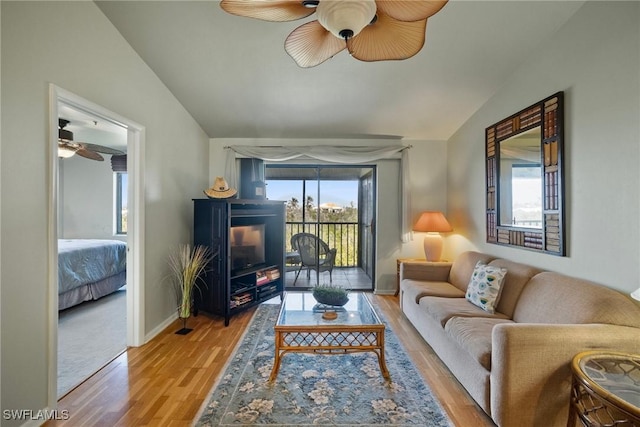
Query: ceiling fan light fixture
x=345, y=18
x=64, y=151
x=65, y=135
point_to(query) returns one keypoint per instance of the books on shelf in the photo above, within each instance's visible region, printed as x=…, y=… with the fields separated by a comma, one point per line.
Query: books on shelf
x=267, y=275
x=273, y=274
x=241, y=299
x=261, y=277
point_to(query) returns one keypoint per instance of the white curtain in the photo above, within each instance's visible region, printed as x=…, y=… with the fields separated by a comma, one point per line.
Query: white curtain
x=333, y=154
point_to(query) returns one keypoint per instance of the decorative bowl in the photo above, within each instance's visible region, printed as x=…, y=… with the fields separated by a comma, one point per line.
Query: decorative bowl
x=331, y=295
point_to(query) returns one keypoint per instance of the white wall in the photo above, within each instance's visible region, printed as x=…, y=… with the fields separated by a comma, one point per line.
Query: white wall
x=595, y=60
x=86, y=198
x=74, y=46
x=427, y=163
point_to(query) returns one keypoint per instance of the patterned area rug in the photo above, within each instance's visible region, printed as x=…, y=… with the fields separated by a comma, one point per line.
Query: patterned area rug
x=337, y=390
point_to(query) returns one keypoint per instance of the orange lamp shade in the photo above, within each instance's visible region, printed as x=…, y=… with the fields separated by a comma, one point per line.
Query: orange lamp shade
x=432, y=221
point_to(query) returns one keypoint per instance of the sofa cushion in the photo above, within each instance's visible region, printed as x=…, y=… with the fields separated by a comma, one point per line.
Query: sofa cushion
x=416, y=289
x=517, y=277
x=443, y=309
x=473, y=335
x=463, y=267
x=555, y=298
x=485, y=286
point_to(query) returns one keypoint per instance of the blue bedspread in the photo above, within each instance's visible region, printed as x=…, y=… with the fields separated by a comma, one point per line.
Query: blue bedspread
x=83, y=261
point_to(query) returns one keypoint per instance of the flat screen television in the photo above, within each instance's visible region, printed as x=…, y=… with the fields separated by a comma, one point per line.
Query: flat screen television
x=247, y=246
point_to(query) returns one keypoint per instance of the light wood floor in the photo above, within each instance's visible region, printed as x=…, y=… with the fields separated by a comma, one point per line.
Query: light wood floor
x=166, y=381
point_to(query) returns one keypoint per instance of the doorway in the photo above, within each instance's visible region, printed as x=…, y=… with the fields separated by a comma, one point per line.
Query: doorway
x=337, y=204
x=61, y=103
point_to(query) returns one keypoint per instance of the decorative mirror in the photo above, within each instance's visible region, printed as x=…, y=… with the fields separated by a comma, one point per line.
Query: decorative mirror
x=525, y=182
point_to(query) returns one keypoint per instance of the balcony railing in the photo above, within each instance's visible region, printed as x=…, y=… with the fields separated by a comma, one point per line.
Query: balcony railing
x=340, y=235
x=533, y=223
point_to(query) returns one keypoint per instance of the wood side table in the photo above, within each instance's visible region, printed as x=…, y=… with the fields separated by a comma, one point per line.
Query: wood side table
x=398, y=262
x=605, y=389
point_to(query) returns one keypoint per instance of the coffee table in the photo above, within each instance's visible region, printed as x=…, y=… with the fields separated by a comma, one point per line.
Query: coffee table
x=300, y=328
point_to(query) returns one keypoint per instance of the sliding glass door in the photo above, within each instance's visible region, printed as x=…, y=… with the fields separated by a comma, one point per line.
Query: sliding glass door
x=336, y=204
x=366, y=217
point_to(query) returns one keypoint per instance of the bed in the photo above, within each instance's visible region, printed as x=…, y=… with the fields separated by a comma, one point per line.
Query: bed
x=89, y=269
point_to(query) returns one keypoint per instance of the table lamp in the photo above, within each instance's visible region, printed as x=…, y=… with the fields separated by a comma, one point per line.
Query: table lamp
x=433, y=223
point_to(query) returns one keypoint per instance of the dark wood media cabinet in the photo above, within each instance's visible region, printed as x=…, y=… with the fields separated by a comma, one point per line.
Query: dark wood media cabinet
x=242, y=274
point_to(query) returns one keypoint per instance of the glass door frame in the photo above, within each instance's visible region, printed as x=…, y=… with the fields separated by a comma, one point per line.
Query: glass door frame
x=315, y=224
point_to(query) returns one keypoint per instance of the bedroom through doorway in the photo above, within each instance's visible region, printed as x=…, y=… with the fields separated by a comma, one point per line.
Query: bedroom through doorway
x=92, y=244
x=95, y=250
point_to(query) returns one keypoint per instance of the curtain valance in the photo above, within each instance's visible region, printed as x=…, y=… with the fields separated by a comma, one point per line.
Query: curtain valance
x=333, y=154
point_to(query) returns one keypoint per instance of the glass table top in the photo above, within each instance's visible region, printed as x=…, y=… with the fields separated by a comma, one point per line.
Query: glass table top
x=302, y=309
x=616, y=373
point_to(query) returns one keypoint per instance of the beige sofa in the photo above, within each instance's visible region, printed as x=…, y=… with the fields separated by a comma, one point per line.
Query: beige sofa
x=516, y=363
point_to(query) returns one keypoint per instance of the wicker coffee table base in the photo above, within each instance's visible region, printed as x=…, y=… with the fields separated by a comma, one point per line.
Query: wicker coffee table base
x=327, y=339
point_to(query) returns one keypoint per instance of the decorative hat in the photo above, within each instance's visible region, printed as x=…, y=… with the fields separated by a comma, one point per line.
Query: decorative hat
x=220, y=189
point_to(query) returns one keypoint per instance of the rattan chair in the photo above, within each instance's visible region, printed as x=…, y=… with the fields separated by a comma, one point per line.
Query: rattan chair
x=315, y=254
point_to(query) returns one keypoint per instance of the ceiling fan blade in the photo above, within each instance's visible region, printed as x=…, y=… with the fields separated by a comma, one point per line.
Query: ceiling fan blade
x=388, y=39
x=101, y=149
x=89, y=154
x=311, y=44
x=267, y=10
x=68, y=145
x=410, y=10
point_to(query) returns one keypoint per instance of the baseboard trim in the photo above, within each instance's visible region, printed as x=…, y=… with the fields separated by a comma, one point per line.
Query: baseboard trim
x=385, y=292
x=161, y=327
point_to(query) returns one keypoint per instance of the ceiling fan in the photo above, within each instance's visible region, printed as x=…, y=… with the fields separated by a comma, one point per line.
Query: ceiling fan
x=67, y=147
x=371, y=30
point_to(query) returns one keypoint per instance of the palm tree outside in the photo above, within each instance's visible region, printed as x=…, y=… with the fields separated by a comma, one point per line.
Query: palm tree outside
x=335, y=220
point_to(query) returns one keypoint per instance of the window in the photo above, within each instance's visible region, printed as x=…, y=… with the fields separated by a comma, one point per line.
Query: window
x=526, y=195
x=121, y=202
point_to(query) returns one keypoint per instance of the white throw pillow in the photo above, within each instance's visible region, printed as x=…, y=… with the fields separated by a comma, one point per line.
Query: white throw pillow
x=485, y=286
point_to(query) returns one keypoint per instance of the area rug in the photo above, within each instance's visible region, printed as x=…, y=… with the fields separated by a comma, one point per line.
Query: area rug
x=337, y=390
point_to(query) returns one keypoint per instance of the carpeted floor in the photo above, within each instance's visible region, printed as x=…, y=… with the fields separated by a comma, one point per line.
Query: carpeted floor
x=337, y=390
x=89, y=336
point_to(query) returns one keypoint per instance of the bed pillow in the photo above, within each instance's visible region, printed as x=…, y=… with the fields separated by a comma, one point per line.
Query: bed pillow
x=485, y=286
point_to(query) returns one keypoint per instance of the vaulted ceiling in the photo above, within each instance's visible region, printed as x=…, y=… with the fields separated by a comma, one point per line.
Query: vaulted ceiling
x=234, y=77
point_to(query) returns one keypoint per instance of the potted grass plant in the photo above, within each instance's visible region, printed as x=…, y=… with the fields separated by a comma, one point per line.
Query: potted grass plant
x=187, y=265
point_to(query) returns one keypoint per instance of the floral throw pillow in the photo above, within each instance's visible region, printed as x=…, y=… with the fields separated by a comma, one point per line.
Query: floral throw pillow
x=485, y=286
